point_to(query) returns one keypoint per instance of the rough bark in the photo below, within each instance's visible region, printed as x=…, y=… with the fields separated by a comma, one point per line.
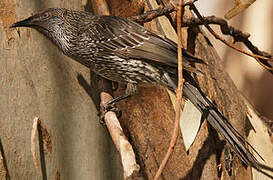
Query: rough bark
x=37, y=80
x=149, y=120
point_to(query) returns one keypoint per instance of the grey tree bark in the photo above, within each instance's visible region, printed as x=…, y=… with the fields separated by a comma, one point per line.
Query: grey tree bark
x=36, y=79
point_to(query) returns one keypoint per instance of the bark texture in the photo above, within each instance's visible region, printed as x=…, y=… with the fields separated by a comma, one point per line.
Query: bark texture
x=149, y=117
x=37, y=80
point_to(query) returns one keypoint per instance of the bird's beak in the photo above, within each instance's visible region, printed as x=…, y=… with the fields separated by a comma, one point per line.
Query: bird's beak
x=24, y=23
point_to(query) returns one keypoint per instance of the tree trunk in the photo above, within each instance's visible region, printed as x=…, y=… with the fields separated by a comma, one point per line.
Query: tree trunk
x=38, y=80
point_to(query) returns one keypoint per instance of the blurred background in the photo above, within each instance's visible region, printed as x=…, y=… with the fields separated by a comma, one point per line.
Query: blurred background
x=255, y=83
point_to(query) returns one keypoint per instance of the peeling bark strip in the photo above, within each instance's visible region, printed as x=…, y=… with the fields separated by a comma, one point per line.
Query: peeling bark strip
x=33, y=144
x=57, y=175
x=46, y=139
x=38, y=129
x=4, y=172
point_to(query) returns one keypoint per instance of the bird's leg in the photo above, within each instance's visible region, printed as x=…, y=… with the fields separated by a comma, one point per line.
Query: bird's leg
x=109, y=106
x=114, y=86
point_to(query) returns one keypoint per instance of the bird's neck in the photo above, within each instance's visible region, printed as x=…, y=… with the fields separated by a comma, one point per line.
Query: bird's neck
x=60, y=38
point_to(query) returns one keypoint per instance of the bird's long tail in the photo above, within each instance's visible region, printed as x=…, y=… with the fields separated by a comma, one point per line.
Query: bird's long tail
x=221, y=124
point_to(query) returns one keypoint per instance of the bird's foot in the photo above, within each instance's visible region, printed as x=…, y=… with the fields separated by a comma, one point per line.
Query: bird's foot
x=105, y=108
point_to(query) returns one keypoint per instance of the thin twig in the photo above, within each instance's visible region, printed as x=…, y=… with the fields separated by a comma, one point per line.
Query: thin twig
x=264, y=65
x=195, y=10
x=226, y=29
x=238, y=36
x=152, y=14
x=178, y=94
x=219, y=37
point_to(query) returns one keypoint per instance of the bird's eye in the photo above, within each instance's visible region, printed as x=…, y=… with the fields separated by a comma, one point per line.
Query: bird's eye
x=45, y=15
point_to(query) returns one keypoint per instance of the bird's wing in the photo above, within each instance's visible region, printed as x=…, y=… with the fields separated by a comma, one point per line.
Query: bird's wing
x=127, y=39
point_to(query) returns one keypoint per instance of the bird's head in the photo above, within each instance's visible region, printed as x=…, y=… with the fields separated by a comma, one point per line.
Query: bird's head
x=52, y=23
x=42, y=21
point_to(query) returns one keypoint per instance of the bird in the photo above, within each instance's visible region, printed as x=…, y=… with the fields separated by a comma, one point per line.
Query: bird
x=123, y=51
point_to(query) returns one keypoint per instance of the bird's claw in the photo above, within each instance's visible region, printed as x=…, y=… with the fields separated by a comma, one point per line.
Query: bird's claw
x=105, y=108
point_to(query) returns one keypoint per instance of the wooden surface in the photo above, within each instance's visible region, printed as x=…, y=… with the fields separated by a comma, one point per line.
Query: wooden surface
x=149, y=120
x=37, y=80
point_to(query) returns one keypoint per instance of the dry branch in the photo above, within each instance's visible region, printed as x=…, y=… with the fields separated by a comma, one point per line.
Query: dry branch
x=261, y=57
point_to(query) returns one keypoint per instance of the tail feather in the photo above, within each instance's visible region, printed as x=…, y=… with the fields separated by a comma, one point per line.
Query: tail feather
x=222, y=125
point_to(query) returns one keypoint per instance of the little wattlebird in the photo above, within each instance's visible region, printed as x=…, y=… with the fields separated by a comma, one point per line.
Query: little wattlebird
x=123, y=51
